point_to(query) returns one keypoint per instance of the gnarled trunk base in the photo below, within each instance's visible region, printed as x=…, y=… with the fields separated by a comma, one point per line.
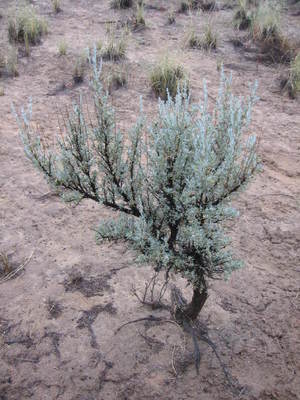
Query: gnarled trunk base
x=192, y=310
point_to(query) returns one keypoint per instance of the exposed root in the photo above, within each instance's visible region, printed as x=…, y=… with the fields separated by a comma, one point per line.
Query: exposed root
x=192, y=328
x=153, y=294
x=151, y=318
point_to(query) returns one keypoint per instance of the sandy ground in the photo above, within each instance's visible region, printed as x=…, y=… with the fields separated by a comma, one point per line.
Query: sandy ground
x=59, y=316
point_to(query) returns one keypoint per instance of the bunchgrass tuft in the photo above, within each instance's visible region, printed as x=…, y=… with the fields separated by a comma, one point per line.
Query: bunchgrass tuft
x=266, y=31
x=56, y=6
x=292, y=83
x=25, y=26
x=184, y=7
x=171, y=17
x=166, y=77
x=62, y=48
x=204, y=5
x=115, y=47
x=207, y=42
x=192, y=39
x=243, y=15
x=139, y=17
x=117, y=78
x=121, y=3
x=9, y=63
x=79, y=70
x=210, y=39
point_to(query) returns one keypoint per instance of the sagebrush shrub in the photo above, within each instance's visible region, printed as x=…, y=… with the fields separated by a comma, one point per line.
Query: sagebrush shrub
x=166, y=77
x=171, y=180
x=25, y=26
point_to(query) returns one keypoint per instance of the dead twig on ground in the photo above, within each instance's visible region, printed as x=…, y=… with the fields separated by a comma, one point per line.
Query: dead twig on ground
x=15, y=271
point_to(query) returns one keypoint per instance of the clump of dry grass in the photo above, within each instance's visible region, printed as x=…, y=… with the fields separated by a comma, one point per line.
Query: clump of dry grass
x=117, y=78
x=266, y=31
x=25, y=26
x=139, y=16
x=62, y=48
x=204, y=5
x=192, y=39
x=121, y=3
x=184, y=7
x=171, y=17
x=166, y=77
x=115, y=47
x=291, y=84
x=208, y=41
x=243, y=15
x=5, y=266
x=56, y=6
x=79, y=70
x=9, y=63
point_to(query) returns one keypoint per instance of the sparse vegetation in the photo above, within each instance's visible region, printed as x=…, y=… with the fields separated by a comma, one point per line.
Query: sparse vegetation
x=25, y=26
x=139, y=16
x=266, y=31
x=115, y=47
x=121, y=3
x=117, y=78
x=295, y=75
x=184, y=7
x=210, y=39
x=62, y=48
x=56, y=6
x=171, y=17
x=192, y=39
x=79, y=70
x=243, y=15
x=292, y=83
x=9, y=63
x=204, y=5
x=166, y=77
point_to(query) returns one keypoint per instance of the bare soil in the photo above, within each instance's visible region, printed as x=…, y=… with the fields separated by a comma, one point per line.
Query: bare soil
x=58, y=317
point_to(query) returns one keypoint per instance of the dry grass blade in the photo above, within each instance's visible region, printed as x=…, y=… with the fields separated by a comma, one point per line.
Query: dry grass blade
x=13, y=272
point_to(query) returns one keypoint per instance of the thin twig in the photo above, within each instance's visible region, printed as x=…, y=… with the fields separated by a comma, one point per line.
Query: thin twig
x=13, y=273
x=172, y=361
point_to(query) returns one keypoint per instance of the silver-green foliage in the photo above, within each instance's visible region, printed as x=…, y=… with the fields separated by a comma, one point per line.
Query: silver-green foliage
x=172, y=181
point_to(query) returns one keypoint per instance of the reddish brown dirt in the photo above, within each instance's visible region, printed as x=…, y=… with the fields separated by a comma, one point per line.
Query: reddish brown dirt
x=57, y=330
